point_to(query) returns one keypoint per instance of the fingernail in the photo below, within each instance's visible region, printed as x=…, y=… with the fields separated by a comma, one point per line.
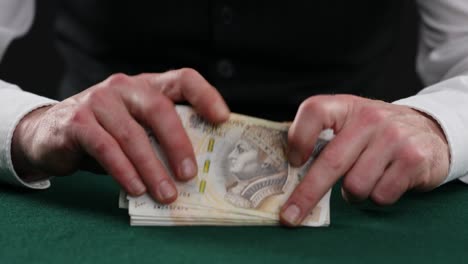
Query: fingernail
x=166, y=190
x=189, y=169
x=291, y=214
x=295, y=158
x=137, y=187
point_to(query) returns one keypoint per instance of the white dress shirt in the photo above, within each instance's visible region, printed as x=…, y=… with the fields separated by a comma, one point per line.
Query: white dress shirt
x=442, y=64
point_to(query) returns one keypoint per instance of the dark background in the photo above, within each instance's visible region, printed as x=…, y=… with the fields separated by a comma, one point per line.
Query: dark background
x=33, y=63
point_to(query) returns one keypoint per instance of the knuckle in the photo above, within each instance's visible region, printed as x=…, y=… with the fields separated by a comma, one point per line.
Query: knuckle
x=119, y=171
x=125, y=134
x=167, y=86
x=145, y=161
x=393, y=133
x=370, y=115
x=76, y=125
x=347, y=97
x=101, y=148
x=389, y=193
x=303, y=196
x=425, y=181
x=355, y=187
x=413, y=156
x=332, y=159
x=117, y=79
x=97, y=96
x=296, y=141
x=187, y=74
x=382, y=198
x=79, y=117
x=313, y=105
x=185, y=77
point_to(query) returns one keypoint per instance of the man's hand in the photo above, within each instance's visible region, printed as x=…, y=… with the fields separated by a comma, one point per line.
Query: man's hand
x=105, y=123
x=382, y=150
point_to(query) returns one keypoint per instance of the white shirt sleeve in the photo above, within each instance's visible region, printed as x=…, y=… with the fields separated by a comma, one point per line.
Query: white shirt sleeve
x=442, y=63
x=16, y=17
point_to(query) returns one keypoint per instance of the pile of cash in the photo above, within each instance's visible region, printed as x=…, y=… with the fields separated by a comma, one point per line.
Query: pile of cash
x=243, y=176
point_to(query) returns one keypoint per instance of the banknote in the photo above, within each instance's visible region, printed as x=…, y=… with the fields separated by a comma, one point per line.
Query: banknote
x=243, y=176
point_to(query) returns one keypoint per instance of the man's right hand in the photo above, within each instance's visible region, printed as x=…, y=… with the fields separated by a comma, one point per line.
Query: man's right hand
x=105, y=124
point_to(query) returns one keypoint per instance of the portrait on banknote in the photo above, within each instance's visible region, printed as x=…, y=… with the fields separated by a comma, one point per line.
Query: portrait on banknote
x=257, y=166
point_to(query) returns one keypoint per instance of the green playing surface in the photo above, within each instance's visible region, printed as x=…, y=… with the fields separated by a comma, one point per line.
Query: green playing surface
x=77, y=220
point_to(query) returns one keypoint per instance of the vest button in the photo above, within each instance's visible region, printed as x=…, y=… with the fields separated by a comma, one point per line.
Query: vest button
x=227, y=15
x=225, y=68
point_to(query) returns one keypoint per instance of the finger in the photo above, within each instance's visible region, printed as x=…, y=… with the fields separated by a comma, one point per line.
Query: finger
x=336, y=158
x=107, y=152
x=361, y=179
x=393, y=184
x=150, y=107
x=155, y=110
x=135, y=143
x=410, y=169
x=187, y=84
x=314, y=115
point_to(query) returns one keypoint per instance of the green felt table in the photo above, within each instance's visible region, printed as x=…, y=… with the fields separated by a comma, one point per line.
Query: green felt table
x=77, y=220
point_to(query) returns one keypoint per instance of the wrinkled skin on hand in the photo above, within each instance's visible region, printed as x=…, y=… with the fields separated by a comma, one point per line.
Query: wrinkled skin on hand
x=381, y=150
x=104, y=124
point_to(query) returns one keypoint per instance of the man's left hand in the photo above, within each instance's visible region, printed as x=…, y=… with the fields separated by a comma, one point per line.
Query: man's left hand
x=382, y=150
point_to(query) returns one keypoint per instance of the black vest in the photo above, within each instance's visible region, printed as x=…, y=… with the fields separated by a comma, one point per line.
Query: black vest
x=261, y=55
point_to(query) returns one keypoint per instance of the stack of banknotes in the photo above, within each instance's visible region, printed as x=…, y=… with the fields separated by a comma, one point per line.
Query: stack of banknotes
x=243, y=176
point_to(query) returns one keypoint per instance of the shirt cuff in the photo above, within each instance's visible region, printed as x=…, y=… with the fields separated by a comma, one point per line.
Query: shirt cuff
x=15, y=105
x=464, y=179
x=445, y=107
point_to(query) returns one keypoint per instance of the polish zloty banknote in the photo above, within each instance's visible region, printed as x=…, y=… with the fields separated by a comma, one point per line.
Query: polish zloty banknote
x=243, y=179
